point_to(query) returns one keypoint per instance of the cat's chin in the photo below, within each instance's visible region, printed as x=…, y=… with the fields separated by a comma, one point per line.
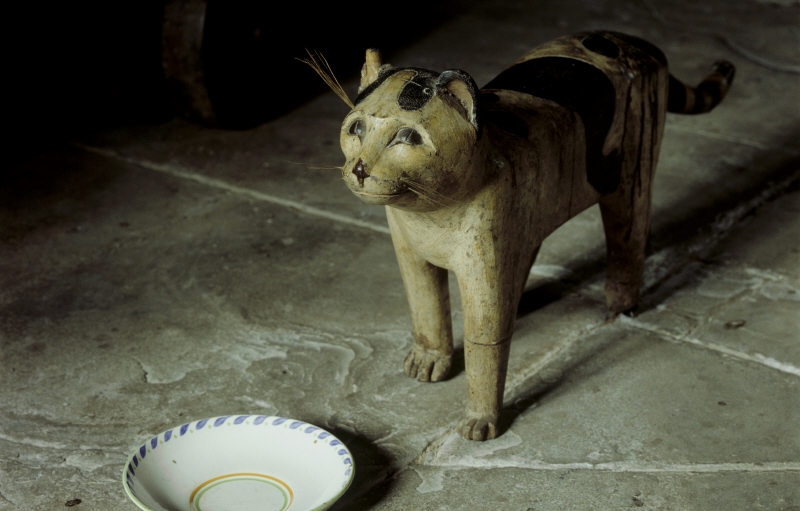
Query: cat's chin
x=382, y=199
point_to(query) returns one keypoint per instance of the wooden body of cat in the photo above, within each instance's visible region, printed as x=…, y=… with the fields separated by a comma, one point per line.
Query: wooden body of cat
x=474, y=180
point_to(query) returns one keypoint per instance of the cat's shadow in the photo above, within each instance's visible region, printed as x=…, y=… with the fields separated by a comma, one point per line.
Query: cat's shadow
x=538, y=296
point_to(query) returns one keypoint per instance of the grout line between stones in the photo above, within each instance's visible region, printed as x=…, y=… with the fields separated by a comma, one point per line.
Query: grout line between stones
x=178, y=172
x=529, y=380
x=3, y=498
x=724, y=350
x=752, y=56
x=625, y=466
x=550, y=367
x=219, y=184
x=678, y=128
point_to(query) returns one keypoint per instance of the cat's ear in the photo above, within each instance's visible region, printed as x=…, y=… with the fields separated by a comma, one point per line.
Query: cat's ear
x=370, y=69
x=461, y=86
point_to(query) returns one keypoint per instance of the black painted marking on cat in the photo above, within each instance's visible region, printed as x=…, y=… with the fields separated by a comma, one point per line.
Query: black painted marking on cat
x=418, y=91
x=704, y=97
x=582, y=88
x=508, y=122
x=385, y=74
x=599, y=44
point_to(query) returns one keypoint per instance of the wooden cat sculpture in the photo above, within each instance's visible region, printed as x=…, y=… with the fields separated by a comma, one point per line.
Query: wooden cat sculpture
x=474, y=180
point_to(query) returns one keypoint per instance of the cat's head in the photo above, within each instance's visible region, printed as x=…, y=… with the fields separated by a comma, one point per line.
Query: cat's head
x=410, y=138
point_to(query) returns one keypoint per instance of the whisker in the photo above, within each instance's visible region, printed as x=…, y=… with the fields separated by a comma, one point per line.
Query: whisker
x=418, y=186
x=424, y=196
x=411, y=80
x=320, y=65
x=426, y=193
x=312, y=166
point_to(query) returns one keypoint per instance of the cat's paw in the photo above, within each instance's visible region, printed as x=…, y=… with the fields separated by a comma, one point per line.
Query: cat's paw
x=427, y=365
x=631, y=313
x=478, y=428
x=621, y=298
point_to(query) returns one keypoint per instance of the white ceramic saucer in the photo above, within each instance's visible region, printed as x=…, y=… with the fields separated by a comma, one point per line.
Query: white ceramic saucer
x=239, y=462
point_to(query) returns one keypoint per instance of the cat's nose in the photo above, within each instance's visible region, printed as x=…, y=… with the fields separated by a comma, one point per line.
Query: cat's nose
x=360, y=172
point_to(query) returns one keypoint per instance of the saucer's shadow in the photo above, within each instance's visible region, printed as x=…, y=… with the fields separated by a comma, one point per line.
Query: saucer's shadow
x=374, y=468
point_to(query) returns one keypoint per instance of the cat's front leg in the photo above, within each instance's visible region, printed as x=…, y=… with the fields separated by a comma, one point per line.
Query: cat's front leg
x=486, y=366
x=489, y=303
x=428, y=297
x=432, y=355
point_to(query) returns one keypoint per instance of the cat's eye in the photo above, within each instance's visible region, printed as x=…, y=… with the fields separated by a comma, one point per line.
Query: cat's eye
x=356, y=128
x=408, y=136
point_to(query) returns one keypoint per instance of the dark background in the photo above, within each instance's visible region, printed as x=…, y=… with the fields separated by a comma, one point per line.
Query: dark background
x=78, y=66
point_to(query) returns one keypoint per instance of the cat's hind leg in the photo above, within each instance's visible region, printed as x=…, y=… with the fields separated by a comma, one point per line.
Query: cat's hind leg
x=626, y=211
x=626, y=222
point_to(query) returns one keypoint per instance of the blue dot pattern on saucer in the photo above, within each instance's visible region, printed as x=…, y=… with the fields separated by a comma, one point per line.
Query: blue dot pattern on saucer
x=216, y=422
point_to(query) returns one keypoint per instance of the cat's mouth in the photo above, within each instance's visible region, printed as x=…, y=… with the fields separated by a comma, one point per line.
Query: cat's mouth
x=376, y=190
x=380, y=198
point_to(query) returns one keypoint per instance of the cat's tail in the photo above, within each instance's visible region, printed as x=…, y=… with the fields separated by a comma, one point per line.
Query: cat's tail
x=697, y=100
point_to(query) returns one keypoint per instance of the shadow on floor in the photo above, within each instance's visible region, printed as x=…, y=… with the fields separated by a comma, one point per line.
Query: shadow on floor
x=373, y=470
x=699, y=221
x=695, y=231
